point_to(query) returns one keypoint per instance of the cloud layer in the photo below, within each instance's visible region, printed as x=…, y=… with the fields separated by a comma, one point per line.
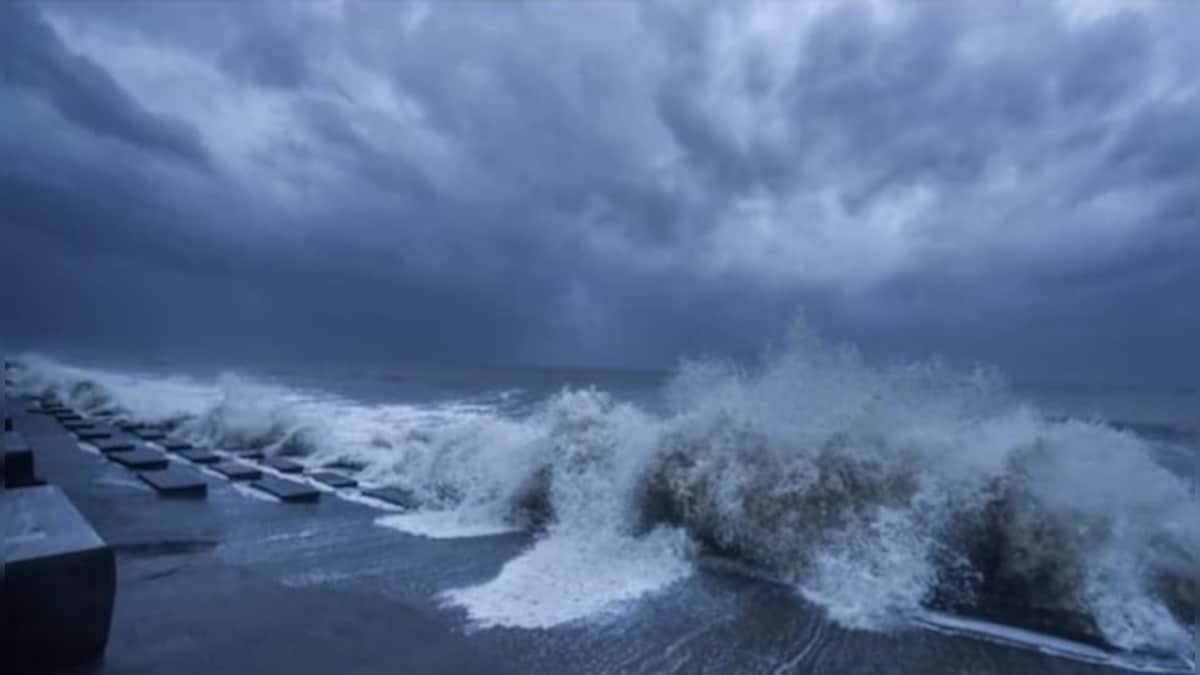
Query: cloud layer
x=605, y=183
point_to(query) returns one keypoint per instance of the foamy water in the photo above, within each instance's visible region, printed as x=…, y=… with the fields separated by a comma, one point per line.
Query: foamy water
x=875, y=492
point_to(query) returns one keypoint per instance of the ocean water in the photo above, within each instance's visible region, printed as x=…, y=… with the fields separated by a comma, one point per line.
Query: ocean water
x=885, y=496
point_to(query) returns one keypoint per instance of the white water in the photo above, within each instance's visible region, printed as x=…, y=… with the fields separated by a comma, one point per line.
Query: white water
x=863, y=487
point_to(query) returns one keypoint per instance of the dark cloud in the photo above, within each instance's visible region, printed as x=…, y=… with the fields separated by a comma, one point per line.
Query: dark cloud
x=35, y=59
x=270, y=58
x=604, y=182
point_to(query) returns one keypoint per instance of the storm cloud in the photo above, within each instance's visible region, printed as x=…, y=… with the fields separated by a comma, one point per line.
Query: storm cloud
x=605, y=183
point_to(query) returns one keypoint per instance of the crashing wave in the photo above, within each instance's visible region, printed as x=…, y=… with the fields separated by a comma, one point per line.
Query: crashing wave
x=876, y=492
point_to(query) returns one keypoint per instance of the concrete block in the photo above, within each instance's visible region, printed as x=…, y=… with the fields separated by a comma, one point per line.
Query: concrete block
x=237, y=471
x=150, y=433
x=250, y=454
x=173, y=444
x=59, y=582
x=75, y=425
x=141, y=459
x=283, y=465
x=176, y=481
x=93, y=434
x=114, y=445
x=335, y=480
x=200, y=456
x=287, y=490
x=17, y=469
x=395, y=496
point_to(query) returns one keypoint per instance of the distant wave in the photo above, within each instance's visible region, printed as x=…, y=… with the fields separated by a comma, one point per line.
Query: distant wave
x=877, y=493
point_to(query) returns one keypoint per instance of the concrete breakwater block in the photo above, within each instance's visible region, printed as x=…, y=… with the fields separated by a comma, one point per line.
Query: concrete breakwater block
x=237, y=471
x=114, y=445
x=140, y=459
x=150, y=433
x=59, y=582
x=287, y=490
x=173, y=444
x=200, y=456
x=394, y=496
x=93, y=434
x=18, y=470
x=334, y=480
x=176, y=481
x=18, y=467
x=283, y=465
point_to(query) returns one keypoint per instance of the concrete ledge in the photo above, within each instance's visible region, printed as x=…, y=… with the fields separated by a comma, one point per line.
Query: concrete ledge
x=237, y=471
x=287, y=490
x=176, y=482
x=283, y=465
x=334, y=480
x=59, y=582
x=140, y=459
x=200, y=456
x=394, y=496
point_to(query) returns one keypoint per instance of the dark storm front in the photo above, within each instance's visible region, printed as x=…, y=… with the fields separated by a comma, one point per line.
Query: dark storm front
x=873, y=497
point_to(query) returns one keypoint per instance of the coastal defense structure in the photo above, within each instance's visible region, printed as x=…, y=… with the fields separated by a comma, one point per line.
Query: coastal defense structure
x=59, y=578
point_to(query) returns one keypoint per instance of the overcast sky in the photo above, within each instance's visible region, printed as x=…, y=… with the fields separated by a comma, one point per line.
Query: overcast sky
x=604, y=182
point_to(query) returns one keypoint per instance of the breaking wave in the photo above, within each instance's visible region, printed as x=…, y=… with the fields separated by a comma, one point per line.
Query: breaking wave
x=875, y=492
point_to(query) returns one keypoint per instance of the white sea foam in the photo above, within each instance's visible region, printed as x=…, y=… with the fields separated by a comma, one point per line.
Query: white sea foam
x=577, y=576
x=446, y=524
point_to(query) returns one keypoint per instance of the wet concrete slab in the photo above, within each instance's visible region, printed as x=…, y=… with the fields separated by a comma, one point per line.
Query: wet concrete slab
x=110, y=445
x=175, y=481
x=234, y=584
x=287, y=490
x=93, y=434
x=200, y=456
x=283, y=465
x=392, y=495
x=234, y=470
x=332, y=479
x=141, y=459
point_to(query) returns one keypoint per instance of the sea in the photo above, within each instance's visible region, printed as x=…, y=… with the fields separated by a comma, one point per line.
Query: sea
x=881, y=502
